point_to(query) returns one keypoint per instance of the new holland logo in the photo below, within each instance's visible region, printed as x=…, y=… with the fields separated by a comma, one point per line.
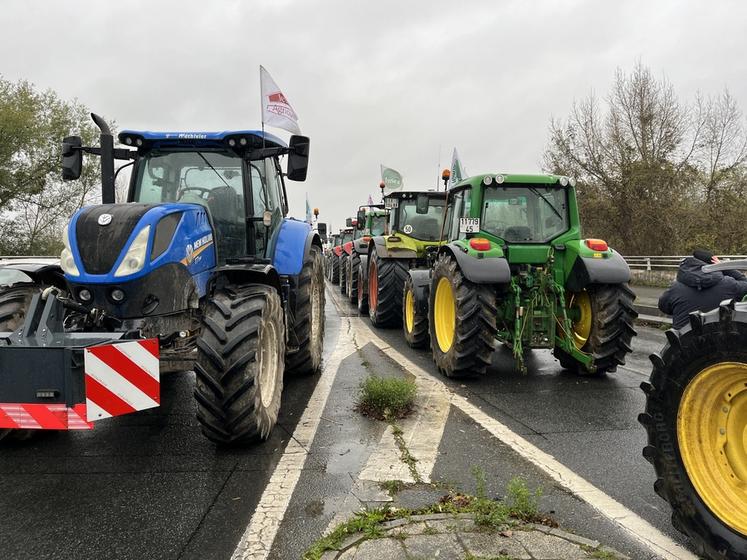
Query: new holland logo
x=105, y=219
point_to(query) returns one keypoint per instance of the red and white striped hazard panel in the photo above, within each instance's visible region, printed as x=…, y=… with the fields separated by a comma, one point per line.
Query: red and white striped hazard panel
x=121, y=378
x=43, y=417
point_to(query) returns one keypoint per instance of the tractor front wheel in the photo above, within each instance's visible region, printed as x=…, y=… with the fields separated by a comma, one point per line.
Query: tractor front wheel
x=362, y=291
x=354, y=262
x=308, y=328
x=386, y=280
x=696, y=411
x=240, y=363
x=415, y=324
x=602, y=319
x=462, y=321
x=334, y=275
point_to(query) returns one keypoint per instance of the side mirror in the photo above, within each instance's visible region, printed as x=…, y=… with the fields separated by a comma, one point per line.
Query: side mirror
x=321, y=228
x=348, y=222
x=298, y=158
x=72, y=158
x=421, y=206
x=361, y=218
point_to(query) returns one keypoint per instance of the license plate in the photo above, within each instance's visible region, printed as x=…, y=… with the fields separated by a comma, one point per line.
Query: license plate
x=469, y=225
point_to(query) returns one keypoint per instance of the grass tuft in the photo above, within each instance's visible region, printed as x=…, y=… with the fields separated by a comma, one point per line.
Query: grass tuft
x=386, y=398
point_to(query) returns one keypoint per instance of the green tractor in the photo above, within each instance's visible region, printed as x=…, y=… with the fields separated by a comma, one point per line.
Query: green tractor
x=371, y=221
x=696, y=420
x=515, y=268
x=414, y=231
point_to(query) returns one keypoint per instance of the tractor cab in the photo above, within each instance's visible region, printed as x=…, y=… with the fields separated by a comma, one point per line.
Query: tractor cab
x=235, y=175
x=416, y=218
x=371, y=220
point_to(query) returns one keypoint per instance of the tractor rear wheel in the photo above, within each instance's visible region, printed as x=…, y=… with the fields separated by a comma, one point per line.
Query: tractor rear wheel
x=462, y=321
x=308, y=328
x=386, y=280
x=14, y=303
x=353, y=263
x=362, y=291
x=240, y=363
x=602, y=325
x=415, y=325
x=696, y=411
x=343, y=272
x=334, y=275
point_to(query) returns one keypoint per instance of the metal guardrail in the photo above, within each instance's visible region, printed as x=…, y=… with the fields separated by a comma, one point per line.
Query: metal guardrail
x=650, y=263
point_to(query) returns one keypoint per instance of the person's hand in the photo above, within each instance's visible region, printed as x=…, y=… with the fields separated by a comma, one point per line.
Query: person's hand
x=715, y=259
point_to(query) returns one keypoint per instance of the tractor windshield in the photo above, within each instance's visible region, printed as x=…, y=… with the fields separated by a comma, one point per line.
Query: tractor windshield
x=347, y=236
x=378, y=225
x=525, y=214
x=425, y=226
x=213, y=179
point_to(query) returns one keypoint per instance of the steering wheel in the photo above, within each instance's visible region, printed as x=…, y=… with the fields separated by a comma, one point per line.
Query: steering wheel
x=201, y=190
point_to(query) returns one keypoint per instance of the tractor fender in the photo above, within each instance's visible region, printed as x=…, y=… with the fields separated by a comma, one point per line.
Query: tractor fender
x=383, y=252
x=42, y=271
x=360, y=246
x=588, y=270
x=421, y=285
x=243, y=274
x=479, y=271
x=293, y=242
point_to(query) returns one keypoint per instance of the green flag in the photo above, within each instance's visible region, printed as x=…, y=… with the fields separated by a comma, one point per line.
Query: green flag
x=392, y=178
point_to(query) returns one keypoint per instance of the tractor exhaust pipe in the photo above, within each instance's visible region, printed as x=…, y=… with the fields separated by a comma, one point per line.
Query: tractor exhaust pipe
x=107, y=160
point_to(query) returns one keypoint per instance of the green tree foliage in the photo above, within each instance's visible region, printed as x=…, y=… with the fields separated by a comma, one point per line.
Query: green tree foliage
x=656, y=176
x=35, y=203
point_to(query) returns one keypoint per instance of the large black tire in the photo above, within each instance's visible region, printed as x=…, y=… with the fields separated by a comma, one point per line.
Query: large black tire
x=474, y=327
x=362, y=291
x=352, y=284
x=308, y=327
x=386, y=280
x=335, y=273
x=677, y=400
x=342, y=274
x=240, y=362
x=612, y=330
x=14, y=303
x=414, y=324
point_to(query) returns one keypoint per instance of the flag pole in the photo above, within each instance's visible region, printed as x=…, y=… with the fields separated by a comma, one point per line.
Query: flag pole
x=261, y=106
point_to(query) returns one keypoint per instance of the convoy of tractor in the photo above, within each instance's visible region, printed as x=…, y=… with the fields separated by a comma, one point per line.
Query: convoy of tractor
x=201, y=270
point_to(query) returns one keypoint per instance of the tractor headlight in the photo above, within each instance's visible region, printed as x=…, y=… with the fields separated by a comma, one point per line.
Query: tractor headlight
x=134, y=260
x=67, y=262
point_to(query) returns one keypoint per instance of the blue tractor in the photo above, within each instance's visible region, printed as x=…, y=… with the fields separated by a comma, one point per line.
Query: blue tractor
x=199, y=270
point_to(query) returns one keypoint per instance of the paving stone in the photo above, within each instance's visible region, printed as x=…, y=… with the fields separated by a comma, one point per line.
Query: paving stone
x=381, y=549
x=330, y=555
x=348, y=554
x=549, y=547
x=431, y=516
x=431, y=547
x=452, y=525
x=485, y=545
x=394, y=523
x=575, y=538
x=417, y=528
x=351, y=540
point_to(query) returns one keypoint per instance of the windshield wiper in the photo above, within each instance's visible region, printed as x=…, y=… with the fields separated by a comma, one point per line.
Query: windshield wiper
x=550, y=204
x=216, y=171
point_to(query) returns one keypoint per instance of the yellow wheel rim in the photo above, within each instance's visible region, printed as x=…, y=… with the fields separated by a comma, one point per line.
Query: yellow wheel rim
x=580, y=303
x=445, y=315
x=409, y=311
x=712, y=436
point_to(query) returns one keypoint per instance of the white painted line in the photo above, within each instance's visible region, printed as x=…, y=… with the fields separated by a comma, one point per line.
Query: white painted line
x=259, y=536
x=421, y=432
x=636, y=526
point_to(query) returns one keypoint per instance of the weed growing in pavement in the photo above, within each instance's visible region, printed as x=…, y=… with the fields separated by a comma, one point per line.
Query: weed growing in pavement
x=404, y=453
x=386, y=397
x=393, y=487
x=521, y=501
x=599, y=553
x=366, y=522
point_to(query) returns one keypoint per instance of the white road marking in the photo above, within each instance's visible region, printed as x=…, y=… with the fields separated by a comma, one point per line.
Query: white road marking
x=635, y=525
x=259, y=536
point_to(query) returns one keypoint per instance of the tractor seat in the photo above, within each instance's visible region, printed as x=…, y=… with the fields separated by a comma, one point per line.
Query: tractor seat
x=517, y=233
x=224, y=205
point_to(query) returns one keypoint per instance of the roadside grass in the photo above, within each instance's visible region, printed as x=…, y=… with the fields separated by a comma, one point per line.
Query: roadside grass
x=386, y=398
x=520, y=505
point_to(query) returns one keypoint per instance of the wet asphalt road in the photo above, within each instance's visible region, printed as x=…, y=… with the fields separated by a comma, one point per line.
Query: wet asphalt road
x=150, y=486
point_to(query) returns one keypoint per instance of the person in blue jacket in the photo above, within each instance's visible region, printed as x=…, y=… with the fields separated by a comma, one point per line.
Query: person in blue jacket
x=695, y=290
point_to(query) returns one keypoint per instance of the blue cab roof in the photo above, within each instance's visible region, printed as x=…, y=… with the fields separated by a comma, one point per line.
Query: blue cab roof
x=203, y=139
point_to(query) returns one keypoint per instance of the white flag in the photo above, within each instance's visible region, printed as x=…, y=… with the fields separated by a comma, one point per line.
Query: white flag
x=458, y=173
x=392, y=178
x=276, y=111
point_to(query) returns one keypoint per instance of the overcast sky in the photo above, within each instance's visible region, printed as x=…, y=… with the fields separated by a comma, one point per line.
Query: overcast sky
x=399, y=83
